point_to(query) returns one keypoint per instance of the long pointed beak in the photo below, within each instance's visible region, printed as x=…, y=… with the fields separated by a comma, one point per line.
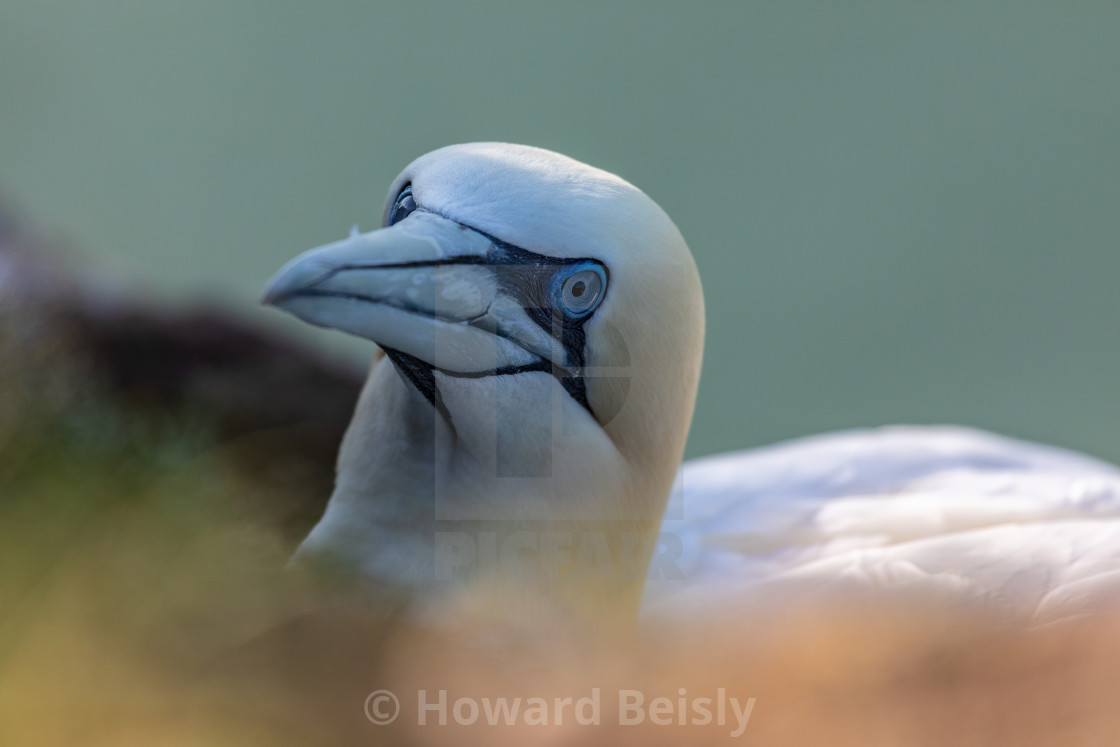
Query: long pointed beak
x=423, y=287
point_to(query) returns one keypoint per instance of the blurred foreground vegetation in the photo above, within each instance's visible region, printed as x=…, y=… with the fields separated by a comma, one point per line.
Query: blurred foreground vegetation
x=129, y=561
x=156, y=470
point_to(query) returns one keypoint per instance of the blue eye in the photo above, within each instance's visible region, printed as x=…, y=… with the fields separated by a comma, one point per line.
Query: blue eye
x=578, y=289
x=403, y=206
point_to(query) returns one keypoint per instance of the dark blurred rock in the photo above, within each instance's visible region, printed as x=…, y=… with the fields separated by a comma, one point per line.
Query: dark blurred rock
x=278, y=409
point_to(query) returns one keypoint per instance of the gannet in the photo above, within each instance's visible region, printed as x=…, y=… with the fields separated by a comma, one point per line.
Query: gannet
x=541, y=327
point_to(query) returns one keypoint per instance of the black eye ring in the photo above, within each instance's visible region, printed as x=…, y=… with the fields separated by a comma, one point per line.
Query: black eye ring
x=402, y=206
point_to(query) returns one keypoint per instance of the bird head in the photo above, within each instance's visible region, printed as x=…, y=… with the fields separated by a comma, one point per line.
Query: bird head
x=542, y=322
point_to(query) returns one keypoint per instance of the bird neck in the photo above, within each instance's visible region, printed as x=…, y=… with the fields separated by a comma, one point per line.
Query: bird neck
x=436, y=509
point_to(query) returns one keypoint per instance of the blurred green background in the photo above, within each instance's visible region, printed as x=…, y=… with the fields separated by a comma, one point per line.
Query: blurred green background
x=902, y=212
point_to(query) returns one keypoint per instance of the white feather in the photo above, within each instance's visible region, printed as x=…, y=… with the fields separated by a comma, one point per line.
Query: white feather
x=940, y=513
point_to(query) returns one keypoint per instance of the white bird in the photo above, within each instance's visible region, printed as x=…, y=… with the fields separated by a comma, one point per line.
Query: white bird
x=542, y=326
